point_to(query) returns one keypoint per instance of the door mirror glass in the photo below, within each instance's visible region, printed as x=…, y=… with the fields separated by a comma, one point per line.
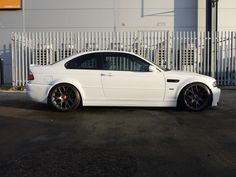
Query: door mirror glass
x=152, y=68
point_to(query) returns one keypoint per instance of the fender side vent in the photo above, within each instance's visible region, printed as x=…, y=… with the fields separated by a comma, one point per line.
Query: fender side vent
x=173, y=80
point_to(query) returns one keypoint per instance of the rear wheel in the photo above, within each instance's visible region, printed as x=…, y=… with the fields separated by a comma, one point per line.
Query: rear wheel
x=64, y=97
x=195, y=97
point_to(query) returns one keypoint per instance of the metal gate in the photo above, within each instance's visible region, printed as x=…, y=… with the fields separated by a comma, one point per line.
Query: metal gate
x=205, y=53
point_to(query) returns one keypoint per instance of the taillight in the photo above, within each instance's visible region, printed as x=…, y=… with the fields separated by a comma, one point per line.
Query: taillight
x=30, y=76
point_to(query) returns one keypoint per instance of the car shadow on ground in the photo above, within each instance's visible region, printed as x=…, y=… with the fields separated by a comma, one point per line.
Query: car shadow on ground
x=34, y=106
x=20, y=101
x=23, y=104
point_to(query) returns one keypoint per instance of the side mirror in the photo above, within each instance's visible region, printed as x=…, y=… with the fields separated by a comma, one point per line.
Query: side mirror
x=152, y=68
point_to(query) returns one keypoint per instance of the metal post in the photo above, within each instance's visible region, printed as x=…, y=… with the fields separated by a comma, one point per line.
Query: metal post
x=1, y=72
x=142, y=8
x=23, y=15
x=212, y=28
x=214, y=21
x=212, y=15
x=114, y=15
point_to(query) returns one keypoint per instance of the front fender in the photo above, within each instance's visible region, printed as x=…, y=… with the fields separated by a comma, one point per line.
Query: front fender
x=188, y=81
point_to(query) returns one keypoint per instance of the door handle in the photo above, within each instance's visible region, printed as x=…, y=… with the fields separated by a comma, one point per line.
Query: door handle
x=108, y=74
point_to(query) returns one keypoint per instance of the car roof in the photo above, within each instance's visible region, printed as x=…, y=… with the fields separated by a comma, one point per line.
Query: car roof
x=91, y=52
x=62, y=62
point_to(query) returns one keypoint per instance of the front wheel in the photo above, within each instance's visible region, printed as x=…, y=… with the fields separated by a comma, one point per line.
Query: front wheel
x=195, y=97
x=64, y=97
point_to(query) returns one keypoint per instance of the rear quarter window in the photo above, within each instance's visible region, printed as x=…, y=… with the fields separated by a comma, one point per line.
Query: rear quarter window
x=88, y=61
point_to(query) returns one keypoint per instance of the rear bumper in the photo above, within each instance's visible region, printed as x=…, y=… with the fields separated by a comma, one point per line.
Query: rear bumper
x=37, y=92
x=215, y=96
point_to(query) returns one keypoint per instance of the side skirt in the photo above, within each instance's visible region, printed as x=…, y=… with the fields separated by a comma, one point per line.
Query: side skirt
x=129, y=103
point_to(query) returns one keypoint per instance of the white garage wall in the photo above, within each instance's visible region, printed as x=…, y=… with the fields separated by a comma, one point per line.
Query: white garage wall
x=95, y=15
x=227, y=14
x=102, y=14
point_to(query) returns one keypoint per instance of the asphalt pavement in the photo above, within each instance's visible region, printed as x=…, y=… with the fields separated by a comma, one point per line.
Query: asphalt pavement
x=37, y=141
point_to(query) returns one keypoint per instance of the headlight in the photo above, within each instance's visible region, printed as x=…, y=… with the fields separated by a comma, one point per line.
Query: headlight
x=214, y=84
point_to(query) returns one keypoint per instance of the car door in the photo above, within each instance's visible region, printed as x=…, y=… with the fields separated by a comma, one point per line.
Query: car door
x=127, y=77
x=86, y=70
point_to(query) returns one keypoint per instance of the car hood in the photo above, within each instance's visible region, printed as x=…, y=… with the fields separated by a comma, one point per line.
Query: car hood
x=184, y=75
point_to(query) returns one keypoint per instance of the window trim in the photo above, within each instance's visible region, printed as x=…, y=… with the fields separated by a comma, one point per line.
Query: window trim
x=124, y=54
x=78, y=58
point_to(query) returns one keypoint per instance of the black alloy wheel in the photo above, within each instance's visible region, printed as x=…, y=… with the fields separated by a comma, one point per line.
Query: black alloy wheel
x=65, y=97
x=196, y=97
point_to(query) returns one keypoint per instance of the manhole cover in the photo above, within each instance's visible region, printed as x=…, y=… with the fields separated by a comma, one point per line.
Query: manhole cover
x=71, y=163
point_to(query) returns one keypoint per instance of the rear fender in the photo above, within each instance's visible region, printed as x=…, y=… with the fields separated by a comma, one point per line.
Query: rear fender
x=76, y=84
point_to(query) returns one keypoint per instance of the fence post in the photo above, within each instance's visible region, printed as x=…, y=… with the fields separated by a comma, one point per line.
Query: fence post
x=1, y=72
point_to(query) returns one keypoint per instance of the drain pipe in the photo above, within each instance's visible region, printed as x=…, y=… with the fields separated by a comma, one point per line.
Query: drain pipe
x=1, y=72
x=211, y=29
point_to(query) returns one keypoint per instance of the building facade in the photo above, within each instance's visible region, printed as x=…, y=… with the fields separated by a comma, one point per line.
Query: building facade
x=106, y=15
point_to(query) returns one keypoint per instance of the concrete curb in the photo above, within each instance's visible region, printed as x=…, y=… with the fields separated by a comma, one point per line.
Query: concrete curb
x=12, y=91
x=9, y=88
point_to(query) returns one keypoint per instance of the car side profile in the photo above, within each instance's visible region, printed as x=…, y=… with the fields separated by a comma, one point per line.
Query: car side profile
x=114, y=78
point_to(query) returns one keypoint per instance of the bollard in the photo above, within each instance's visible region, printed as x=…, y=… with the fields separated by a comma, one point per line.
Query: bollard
x=1, y=72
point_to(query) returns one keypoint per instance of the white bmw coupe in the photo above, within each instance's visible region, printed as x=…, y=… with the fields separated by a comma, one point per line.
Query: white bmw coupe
x=111, y=78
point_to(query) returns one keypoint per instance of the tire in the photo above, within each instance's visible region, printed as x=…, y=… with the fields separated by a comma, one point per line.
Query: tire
x=64, y=97
x=195, y=97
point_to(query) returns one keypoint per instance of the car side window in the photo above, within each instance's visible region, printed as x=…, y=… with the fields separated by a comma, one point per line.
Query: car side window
x=124, y=62
x=88, y=61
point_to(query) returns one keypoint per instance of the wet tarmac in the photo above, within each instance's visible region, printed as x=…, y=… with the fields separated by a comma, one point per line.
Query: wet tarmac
x=37, y=141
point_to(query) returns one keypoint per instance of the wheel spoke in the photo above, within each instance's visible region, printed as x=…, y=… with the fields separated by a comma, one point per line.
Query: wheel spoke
x=64, y=97
x=197, y=89
x=195, y=97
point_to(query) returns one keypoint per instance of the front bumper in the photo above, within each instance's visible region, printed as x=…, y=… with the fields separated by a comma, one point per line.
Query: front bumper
x=215, y=96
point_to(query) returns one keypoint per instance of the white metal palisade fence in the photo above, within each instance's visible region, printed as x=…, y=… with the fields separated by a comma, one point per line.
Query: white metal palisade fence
x=210, y=54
